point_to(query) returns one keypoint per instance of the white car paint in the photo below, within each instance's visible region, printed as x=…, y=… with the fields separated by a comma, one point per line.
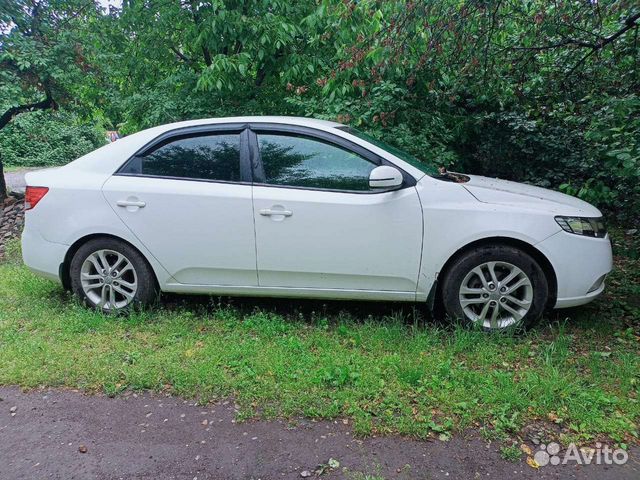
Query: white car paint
x=339, y=240
x=207, y=237
x=495, y=191
x=182, y=219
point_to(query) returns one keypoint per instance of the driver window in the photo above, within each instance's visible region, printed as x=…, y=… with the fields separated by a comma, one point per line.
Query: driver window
x=300, y=161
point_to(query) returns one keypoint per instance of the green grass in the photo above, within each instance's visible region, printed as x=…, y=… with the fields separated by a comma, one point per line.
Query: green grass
x=11, y=168
x=384, y=367
x=511, y=453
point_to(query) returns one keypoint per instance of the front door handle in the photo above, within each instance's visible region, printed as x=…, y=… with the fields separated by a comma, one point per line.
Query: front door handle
x=267, y=212
x=131, y=203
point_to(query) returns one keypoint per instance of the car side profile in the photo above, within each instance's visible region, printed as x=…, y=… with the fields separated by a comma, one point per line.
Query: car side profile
x=297, y=207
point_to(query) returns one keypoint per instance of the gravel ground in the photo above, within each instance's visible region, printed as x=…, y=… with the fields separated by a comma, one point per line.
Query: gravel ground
x=62, y=434
x=15, y=179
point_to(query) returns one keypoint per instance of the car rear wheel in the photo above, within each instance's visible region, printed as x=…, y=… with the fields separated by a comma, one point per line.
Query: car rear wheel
x=110, y=275
x=495, y=287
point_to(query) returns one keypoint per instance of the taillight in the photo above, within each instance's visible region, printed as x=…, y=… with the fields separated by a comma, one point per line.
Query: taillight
x=33, y=195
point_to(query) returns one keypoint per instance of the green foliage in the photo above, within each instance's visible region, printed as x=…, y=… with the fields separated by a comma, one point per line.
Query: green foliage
x=43, y=49
x=588, y=149
x=614, y=137
x=47, y=139
x=541, y=92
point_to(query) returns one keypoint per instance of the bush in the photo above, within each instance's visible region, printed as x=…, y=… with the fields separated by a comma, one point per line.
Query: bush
x=590, y=150
x=47, y=139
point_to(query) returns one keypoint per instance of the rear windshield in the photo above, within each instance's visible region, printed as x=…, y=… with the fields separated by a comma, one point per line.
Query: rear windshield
x=402, y=155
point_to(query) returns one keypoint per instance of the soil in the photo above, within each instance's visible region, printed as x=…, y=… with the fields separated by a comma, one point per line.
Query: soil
x=63, y=434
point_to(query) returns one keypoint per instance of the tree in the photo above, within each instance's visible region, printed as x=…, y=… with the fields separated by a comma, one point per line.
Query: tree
x=185, y=58
x=42, y=58
x=520, y=90
x=537, y=91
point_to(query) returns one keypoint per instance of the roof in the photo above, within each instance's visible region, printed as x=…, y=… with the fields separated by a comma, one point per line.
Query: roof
x=300, y=121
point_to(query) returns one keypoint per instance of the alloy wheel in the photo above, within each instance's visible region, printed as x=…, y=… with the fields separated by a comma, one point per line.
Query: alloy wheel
x=496, y=295
x=109, y=280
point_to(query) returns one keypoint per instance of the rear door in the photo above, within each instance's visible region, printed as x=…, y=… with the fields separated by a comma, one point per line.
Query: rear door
x=320, y=226
x=187, y=197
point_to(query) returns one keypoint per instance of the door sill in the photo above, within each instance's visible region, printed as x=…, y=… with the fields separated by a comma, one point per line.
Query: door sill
x=291, y=292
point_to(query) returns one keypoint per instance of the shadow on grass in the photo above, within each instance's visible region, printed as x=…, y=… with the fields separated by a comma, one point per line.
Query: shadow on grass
x=359, y=311
x=331, y=312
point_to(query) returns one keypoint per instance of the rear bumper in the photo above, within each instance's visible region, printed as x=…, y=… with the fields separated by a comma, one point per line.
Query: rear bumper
x=580, y=263
x=41, y=256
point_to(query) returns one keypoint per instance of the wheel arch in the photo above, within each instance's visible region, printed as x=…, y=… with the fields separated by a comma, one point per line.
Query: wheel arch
x=65, y=266
x=537, y=255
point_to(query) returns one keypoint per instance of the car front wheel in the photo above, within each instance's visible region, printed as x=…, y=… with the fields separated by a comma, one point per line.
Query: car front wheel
x=495, y=287
x=111, y=276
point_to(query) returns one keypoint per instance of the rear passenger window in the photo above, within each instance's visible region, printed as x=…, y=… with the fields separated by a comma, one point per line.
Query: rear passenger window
x=203, y=157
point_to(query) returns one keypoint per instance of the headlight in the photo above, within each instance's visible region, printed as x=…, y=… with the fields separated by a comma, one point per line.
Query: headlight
x=589, y=227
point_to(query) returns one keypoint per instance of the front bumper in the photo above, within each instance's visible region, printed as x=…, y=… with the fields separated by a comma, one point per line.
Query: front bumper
x=580, y=300
x=580, y=263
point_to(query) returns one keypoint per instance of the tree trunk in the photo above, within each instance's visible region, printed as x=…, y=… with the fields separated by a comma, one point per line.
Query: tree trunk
x=7, y=116
x=3, y=184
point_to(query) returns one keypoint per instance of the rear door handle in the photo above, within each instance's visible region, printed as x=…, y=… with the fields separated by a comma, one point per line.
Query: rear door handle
x=131, y=203
x=267, y=212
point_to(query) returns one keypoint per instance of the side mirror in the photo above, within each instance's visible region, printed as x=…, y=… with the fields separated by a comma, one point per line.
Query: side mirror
x=385, y=177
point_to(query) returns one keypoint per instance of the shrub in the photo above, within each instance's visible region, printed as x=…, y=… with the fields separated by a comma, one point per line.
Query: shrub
x=47, y=139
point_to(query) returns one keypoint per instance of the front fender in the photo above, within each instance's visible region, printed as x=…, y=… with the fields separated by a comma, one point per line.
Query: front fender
x=454, y=219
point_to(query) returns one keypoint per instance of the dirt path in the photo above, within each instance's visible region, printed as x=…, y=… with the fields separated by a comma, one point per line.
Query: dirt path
x=155, y=437
x=15, y=179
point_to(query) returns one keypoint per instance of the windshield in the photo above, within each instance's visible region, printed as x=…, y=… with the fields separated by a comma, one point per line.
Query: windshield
x=410, y=159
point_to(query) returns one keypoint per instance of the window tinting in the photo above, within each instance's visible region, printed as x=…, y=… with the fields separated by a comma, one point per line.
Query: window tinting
x=304, y=162
x=206, y=157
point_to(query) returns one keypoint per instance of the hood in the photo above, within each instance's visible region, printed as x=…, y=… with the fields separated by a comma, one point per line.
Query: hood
x=504, y=192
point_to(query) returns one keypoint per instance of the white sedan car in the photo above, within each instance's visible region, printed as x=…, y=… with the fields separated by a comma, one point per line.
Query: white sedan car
x=296, y=207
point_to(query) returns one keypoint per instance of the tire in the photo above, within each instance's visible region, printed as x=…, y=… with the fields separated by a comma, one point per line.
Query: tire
x=127, y=274
x=519, y=303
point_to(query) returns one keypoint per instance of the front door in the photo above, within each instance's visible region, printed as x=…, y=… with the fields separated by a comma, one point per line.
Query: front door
x=188, y=200
x=319, y=225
